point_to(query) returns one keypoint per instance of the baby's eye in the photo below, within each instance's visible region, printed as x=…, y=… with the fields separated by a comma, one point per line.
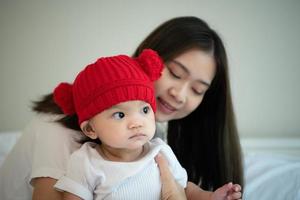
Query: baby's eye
x=118, y=115
x=146, y=109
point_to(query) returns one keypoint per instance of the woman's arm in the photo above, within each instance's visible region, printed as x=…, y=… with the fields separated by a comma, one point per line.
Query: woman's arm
x=195, y=192
x=43, y=189
x=171, y=190
x=227, y=191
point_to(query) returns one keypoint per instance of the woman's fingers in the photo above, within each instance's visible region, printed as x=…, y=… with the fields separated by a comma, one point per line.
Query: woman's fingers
x=170, y=188
x=165, y=173
x=237, y=187
x=236, y=192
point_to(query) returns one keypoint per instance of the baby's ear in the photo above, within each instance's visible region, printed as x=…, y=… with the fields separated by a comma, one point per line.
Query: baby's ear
x=88, y=130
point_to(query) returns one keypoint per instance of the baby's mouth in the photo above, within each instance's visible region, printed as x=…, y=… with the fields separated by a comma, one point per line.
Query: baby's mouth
x=138, y=135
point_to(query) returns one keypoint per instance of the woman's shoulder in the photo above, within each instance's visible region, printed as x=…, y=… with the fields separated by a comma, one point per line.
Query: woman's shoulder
x=161, y=131
x=46, y=125
x=45, y=120
x=42, y=118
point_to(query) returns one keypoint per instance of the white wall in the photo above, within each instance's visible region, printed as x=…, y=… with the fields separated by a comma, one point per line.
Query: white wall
x=45, y=42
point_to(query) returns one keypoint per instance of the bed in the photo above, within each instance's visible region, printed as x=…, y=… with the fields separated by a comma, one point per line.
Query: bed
x=272, y=166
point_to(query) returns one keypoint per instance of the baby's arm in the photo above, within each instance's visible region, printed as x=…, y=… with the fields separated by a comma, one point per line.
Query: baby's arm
x=226, y=192
x=79, y=175
x=70, y=196
x=43, y=189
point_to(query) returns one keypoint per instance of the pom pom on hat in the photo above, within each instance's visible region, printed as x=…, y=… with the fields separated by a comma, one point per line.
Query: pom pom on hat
x=63, y=97
x=151, y=63
x=109, y=81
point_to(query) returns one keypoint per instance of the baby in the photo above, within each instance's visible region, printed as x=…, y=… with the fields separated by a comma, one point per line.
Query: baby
x=114, y=101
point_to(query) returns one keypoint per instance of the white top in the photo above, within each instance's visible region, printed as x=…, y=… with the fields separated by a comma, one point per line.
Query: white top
x=43, y=150
x=90, y=176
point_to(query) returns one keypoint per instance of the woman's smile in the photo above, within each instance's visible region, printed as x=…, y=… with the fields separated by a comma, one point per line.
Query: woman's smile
x=164, y=106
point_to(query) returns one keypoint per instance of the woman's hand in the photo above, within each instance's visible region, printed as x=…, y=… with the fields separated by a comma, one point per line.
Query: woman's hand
x=171, y=190
x=228, y=191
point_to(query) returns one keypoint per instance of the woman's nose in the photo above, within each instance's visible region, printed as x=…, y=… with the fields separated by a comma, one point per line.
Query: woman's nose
x=179, y=93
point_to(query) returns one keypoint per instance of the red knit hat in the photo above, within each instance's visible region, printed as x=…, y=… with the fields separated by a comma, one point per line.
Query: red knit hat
x=109, y=81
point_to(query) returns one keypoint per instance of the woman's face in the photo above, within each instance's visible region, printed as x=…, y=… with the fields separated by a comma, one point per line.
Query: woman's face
x=183, y=83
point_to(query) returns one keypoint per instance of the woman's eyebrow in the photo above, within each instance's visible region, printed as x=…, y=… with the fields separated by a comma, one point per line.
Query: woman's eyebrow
x=184, y=68
x=181, y=66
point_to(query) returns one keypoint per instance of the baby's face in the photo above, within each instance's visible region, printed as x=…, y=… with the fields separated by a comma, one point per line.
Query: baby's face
x=127, y=125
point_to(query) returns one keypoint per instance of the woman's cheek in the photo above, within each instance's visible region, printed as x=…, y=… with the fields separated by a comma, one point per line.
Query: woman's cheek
x=193, y=104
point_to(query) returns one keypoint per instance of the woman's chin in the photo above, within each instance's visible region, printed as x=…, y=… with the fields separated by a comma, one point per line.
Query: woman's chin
x=160, y=117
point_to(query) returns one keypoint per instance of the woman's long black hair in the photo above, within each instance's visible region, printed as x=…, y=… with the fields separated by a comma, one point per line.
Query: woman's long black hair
x=206, y=142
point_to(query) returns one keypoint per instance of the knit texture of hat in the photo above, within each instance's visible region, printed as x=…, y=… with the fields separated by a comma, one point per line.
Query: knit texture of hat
x=109, y=81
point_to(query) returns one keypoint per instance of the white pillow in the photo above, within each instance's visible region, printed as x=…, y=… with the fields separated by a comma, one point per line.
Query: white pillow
x=7, y=141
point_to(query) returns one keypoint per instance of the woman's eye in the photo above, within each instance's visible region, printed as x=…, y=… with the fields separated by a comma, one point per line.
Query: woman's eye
x=118, y=115
x=175, y=75
x=173, y=72
x=197, y=92
x=146, y=109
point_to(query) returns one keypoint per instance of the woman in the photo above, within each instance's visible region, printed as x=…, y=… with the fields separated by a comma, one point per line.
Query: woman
x=206, y=141
x=193, y=95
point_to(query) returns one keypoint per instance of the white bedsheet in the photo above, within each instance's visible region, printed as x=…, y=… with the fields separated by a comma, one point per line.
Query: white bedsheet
x=272, y=177
x=268, y=176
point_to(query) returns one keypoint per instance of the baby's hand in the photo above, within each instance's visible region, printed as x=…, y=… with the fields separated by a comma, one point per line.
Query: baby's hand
x=228, y=191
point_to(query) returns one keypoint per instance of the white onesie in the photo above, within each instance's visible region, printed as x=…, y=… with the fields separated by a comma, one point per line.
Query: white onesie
x=89, y=176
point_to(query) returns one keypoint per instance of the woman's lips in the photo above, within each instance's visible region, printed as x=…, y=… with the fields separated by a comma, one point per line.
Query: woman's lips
x=164, y=107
